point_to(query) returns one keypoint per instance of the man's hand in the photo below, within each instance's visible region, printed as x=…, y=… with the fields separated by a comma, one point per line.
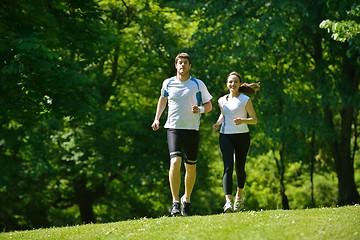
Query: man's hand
x=156, y=125
x=197, y=109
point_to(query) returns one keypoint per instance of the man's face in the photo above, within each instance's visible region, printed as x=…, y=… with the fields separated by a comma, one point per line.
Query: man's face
x=183, y=66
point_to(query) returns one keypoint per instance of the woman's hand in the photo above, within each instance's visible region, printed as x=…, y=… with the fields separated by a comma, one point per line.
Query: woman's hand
x=238, y=120
x=215, y=127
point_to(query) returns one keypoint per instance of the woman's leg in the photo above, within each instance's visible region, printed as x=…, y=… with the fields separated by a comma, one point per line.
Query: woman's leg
x=242, y=145
x=227, y=152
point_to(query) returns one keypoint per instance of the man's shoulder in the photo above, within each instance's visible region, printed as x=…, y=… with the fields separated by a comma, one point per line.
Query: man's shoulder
x=197, y=80
x=169, y=80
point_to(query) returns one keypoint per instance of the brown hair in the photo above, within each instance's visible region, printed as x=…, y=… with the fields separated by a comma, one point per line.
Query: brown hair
x=246, y=88
x=183, y=55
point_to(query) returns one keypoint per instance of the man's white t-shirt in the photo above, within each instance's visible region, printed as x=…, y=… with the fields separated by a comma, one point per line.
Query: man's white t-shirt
x=181, y=95
x=233, y=107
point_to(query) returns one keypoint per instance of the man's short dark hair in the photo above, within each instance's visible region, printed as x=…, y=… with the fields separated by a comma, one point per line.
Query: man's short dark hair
x=183, y=55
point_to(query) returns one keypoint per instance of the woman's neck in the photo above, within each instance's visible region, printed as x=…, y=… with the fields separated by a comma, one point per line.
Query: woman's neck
x=234, y=94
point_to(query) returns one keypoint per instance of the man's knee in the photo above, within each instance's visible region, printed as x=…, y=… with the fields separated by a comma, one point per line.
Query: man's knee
x=175, y=162
x=190, y=168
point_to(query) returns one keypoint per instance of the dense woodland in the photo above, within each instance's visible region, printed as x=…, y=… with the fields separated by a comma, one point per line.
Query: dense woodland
x=79, y=83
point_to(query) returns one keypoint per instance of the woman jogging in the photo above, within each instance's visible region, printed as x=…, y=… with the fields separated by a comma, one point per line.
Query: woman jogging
x=237, y=112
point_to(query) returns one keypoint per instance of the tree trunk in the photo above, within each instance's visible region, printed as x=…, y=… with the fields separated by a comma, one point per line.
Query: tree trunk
x=84, y=199
x=280, y=163
x=312, y=168
x=340, y=143
x=344, y=164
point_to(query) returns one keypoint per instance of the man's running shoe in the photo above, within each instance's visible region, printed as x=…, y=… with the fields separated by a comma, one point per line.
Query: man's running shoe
x=185, y=207
x=228, y=207
x=175, y=210
x=239, y=203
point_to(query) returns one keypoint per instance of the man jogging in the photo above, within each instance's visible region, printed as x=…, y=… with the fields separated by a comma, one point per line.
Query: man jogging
x=184, y=95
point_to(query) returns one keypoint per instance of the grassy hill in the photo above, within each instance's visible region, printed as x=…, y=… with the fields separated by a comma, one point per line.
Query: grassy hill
x=319, y=223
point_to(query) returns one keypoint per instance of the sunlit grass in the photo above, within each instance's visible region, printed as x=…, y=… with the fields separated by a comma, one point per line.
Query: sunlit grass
x=319, y=223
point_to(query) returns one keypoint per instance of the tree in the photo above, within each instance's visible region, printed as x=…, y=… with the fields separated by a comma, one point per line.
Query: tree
x=346, y=82
x=42, y=82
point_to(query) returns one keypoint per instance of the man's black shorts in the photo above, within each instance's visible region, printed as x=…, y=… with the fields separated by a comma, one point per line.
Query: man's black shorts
x=183, y=143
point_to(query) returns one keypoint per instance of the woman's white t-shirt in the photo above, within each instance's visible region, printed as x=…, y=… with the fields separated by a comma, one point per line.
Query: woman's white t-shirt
x=181, y=95
x=233, y=107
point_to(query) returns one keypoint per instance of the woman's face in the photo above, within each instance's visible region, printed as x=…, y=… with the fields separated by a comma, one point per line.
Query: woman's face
x=233, y=83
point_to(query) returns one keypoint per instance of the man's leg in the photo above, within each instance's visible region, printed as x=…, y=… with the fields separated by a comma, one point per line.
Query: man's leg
x=190, y=177
x=191, y=148
x=174, y=177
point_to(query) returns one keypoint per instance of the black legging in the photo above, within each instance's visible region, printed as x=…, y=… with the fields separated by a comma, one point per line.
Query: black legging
x=229, y=144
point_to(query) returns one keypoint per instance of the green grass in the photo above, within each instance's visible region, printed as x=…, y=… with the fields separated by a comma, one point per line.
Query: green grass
x=319, y=223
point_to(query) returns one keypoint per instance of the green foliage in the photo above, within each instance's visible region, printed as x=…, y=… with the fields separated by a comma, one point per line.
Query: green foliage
x=346, y=29
x=263, y=187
